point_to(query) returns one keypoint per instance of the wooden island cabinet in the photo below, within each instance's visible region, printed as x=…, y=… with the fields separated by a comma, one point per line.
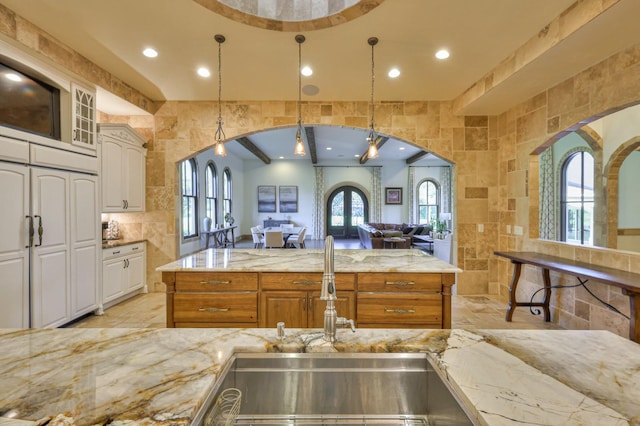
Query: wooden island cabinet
x=259, y=288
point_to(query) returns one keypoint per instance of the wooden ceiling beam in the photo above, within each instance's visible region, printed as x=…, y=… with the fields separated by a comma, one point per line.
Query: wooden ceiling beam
x=311, y=141
x=249, y=146
x=416, y=157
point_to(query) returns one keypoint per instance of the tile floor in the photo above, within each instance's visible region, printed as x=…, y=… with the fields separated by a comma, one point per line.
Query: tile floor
x=470, y=312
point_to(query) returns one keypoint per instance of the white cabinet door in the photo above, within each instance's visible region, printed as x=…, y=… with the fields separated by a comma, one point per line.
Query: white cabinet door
x=136, y=272
x=113, y=278
x=135, y=182
x=14, y=251
x=85, y=249
x=50, y=297
x=113, y=177
x=83, y=104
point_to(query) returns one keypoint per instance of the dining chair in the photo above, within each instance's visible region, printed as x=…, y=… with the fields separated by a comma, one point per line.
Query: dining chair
x=258, y=238
x=297, y=239
x=273, y=239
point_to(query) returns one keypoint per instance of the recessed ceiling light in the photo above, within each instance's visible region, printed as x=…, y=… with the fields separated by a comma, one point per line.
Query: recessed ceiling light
x=150, y=52
x=442, y=54
x=401, y=148
x=394, y=72
x=329, y=148
x=281, y=157
x=204, y=72
x=306, y=71
x=357, y=155
x=13, y=77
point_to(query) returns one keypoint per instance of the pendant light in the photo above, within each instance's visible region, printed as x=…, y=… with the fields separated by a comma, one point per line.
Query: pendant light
x=219, y=135
x=299, y=149
x=373, y=148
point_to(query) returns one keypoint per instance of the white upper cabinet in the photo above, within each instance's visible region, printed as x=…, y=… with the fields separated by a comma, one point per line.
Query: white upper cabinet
x=83, y=107
x=123, y=168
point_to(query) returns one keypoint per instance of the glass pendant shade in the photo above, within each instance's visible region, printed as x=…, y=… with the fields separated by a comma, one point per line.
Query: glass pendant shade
x=220, y=149
x=299, y=150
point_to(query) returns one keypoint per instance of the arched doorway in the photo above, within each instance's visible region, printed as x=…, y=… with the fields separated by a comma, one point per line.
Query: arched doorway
x=347, y=207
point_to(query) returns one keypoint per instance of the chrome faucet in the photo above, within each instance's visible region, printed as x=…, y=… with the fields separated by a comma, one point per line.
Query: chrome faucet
x=328, y=293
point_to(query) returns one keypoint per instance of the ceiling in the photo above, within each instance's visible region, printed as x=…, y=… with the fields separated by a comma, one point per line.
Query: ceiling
x=259, y=64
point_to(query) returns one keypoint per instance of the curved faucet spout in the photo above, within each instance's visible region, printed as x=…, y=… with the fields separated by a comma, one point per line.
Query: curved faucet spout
x=328, y=291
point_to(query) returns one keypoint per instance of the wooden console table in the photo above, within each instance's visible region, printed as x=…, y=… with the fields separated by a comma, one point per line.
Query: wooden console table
x=629, y=282
x=222, y=237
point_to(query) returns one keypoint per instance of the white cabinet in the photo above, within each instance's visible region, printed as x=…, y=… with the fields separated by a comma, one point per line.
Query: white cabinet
x=442, y=248
x=123, y=168
x=83, y=107
x=123, y=272
x=50, y=247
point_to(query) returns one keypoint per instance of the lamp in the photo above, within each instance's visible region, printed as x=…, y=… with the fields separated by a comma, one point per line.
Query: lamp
x=299, y=149
x=373, y=148
x=219, y=135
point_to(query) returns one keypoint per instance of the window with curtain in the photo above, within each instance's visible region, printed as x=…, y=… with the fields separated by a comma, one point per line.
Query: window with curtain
x=577, y=199
x=428, y=201
x=227, y=191
x=189, y=189
x=211, y=192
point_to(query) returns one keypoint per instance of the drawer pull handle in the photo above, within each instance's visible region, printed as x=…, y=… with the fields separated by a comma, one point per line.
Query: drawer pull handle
x=214, y=282
x=305, y=282
x=400, y=283
x=399, y=311
x=213, y=309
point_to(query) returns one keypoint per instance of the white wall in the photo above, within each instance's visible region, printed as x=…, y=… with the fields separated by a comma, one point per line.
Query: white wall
x=279, y=172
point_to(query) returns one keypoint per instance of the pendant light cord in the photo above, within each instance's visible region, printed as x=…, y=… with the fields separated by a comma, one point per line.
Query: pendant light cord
x=220, y=135
x=373, y=77
x=299, y=85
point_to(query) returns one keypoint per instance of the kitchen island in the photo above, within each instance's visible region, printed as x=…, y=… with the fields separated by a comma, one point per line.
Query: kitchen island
x=161, y=376
x=260, y=287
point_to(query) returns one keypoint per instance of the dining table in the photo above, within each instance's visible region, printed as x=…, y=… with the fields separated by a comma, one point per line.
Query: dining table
x=286, y=232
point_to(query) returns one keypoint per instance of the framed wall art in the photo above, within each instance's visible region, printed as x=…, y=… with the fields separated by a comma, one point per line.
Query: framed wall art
x=266, y=199
x=288, y=197
x=393, y=195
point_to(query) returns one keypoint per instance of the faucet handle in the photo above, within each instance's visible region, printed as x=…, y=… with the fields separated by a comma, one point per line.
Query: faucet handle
x=343, y=322
x=280, y=328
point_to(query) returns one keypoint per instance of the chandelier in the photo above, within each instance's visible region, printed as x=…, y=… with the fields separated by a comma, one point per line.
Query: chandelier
x=219, y=135
x=373, y=148
x=299, y=149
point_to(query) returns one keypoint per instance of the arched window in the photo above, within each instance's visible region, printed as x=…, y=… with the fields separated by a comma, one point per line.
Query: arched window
x=227, y=192
x=189, y=190
x=577, y=199
x=211, y=192
x=428, y=201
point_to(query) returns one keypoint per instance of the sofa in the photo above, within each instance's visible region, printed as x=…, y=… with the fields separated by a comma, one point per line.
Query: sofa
x=372, y=235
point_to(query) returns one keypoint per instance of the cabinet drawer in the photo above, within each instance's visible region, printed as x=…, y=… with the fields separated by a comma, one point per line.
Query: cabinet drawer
x=303, y=281
x=219, y=308
x=125, y=250
x=391, y=309
x=216, y=281
x=399, y=282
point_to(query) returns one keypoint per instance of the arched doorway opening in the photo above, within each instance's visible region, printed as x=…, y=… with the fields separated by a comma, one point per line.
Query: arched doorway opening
x=347, y=207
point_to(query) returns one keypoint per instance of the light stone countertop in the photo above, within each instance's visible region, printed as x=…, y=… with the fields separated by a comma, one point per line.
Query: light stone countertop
x=309, y=260
x=161, y=376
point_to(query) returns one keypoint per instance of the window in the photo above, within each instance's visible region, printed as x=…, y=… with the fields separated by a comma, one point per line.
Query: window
x=189, y=188
x=227, y=192
x=428, y=201
x=211, y=192
x=577, y=199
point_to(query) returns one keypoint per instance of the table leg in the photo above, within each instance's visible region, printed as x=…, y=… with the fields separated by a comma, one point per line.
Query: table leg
x=206, y=244
x=547, y=294
x=233, y=239
x=634, y=320
x=517, y=267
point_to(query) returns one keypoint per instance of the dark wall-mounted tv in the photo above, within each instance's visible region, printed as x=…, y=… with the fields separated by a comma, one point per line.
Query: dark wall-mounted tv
x=29, y=104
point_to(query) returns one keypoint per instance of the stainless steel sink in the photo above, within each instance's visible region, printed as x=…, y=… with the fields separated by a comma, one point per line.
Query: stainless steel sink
x=337, y=389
